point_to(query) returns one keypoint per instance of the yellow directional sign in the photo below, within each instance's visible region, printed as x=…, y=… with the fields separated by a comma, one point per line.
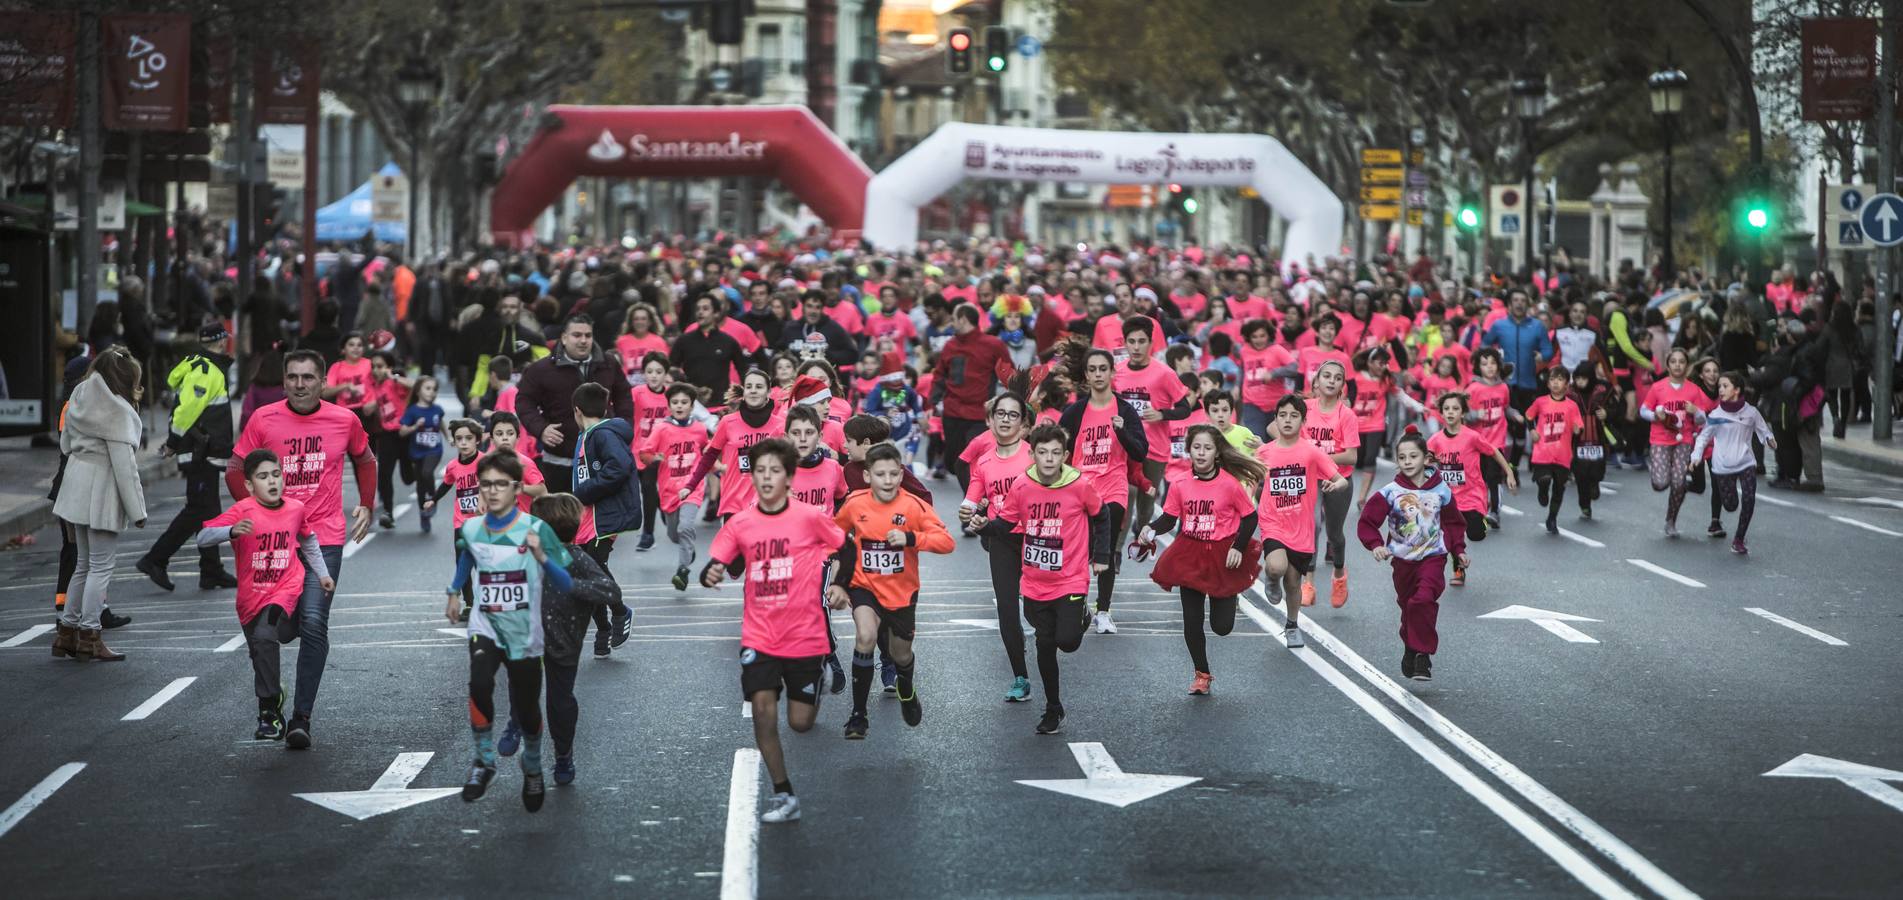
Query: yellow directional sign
x=1380, y=195
x=1415, y=217
x=1374, y=156
x=1382, y=175
x=1416, y=157
x=1380, y=212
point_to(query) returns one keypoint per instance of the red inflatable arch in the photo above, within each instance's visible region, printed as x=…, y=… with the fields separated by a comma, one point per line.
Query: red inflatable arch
x=781, y=142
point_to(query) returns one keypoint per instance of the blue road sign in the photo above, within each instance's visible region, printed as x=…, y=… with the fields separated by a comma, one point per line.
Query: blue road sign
x=1849, y=235
x=1029, y=46
x=1882, y=219
x=1850, y=199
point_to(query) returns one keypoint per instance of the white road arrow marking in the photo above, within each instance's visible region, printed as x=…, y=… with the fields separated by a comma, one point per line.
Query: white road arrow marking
x=1867, y=779
x=976, y=623
x=1105, y=782
x=1806, y=630
x=390, y=793
x=1554, y=622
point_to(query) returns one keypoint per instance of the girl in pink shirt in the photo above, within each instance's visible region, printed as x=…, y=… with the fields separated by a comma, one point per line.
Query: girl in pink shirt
x=994, y=472
x=1332, y=427
x=1491, y=409
x=640, y=337
x=1676, y=408
x=1457, y=452
x=752, y=420
x=1106, y=434
x=1553, y=421
x=670, y=451
x=649, y=392
x=347, y=382
x=1287, y=512
x=1268, y=374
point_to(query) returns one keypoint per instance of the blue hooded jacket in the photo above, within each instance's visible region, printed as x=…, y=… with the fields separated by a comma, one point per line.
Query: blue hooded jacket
x=605, y=476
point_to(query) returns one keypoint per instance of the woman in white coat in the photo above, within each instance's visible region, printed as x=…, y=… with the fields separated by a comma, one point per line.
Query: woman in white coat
x=101, y=494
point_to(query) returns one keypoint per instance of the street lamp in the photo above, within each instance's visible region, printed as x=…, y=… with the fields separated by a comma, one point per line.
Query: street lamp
x=1529, y=103
x=1667, y=87
x=415, y=88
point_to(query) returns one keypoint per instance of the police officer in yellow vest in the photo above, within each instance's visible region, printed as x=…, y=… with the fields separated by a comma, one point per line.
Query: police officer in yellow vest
x=201, y=437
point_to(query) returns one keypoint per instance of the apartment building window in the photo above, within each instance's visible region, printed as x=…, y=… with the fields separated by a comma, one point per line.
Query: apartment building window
x=772, y=53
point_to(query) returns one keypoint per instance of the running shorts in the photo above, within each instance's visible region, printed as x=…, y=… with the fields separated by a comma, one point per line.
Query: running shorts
x=902, y=623
x=799, y=676
x=1303, y=562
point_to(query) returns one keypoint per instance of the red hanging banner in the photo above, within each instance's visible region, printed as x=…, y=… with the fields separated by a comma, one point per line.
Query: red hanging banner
x=148, y=70
x=286, y=84
x=38, y=62
x=1839, y=58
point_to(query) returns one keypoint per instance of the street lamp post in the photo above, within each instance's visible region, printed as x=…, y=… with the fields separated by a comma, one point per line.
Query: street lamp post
x=1529, y=103
x=415, y=87
x=1667, y=87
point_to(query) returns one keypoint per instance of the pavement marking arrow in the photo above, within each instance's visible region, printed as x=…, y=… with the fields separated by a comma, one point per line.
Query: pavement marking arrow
x=1867, y=779
x=1105, y=782
x=1554, y=622
x=390, y=793
x=1805, y=630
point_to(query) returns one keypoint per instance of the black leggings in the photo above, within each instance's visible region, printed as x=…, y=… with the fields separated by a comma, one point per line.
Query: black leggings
x=1007, y=570
x=1738, y=491
x=425, y=471
x=1059, y=625
x=1107, y=582
x=1493, y=475
x=525, y=687
x=563, y=711
x=392, y=452
x=598, y=550
x=650, y=497
x=1476, y=525
x=1222, y=620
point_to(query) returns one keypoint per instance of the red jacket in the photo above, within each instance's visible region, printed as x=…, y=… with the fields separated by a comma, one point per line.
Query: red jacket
x=967, y=374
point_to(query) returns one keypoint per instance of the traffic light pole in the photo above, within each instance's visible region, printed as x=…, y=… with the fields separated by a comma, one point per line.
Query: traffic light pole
x=1883, y=386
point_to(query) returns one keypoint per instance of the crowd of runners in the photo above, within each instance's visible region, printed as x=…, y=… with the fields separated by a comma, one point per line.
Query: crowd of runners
x=1227, y=412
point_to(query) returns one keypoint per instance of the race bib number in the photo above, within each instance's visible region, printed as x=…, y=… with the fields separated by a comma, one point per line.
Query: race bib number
x=429, y=439
x=1043, y=553
x=1177, y=448
x=1287, y=483
x=880, y=558
x=467, y=502
x=1590, y=452
x=743, y=462
x=1455, y=477
x=1138, y=400
x=503, y=591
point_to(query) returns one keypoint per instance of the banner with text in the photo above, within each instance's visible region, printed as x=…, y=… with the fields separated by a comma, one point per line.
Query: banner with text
x=148, y=70
x=1839, y=68
x=285, y=83
x=37, y=68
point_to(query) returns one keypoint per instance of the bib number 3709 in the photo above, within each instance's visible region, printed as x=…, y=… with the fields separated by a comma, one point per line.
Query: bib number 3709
x=504, y=591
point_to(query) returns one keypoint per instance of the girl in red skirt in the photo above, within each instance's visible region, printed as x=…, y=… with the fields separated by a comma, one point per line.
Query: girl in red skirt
x=1424, y=527
x=1216, y=556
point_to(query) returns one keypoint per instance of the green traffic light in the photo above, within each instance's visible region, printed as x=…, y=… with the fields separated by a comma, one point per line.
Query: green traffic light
x=1190, y=205
x=1757, y=217
x=1469, y=217
x=996, y=63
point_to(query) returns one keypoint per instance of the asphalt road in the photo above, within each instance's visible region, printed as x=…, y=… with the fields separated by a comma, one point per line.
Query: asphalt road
x=1625, y=756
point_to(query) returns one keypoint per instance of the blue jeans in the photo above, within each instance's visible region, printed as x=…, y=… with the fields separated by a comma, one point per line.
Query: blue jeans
x=313, y=632
x=1257, y=420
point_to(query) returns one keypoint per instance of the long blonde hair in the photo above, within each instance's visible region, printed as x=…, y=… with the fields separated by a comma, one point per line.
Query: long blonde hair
x=1241, y=466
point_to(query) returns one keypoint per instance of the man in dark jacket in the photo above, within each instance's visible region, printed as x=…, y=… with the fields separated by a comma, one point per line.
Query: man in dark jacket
x=201, y=438
x=606, y=482
x=817, y=336
x=544, y=396
x=706, y=354
x=966, y=377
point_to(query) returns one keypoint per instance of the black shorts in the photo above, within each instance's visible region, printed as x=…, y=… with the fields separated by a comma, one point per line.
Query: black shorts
x=902, y=623
x=799, y=675
x=1370, y=450
x=1302, y=562
x=1551, y=472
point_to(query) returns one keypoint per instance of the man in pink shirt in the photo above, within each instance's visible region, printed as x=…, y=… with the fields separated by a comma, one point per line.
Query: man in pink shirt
x=312, y=438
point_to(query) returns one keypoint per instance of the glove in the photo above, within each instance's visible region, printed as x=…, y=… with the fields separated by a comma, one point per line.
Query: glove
x=1138, y=551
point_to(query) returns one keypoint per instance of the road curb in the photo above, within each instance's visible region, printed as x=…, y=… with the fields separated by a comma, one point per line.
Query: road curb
x=1871, y=459
x=32, y=516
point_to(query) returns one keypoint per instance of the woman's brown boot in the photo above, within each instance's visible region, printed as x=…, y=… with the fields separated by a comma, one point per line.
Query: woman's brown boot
x=65, y=640
x=92, y=645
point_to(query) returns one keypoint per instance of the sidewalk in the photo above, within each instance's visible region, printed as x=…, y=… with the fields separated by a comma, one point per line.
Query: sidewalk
x=26, y=473
x=1858, y=450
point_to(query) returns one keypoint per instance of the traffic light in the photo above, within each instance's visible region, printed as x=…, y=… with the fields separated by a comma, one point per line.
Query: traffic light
x=1468, y=216
x=997, y=48
x=958, y=57
x=1757, y=215
x=1183, y=198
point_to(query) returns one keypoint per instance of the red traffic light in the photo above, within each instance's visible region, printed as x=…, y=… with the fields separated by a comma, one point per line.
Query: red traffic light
x=960, y=40
x=1176, y=188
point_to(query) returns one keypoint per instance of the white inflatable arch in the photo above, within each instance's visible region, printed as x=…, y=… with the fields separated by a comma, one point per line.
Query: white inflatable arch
x=958, y=151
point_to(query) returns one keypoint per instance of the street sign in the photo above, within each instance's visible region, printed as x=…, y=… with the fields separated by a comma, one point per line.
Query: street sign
x=285, y=168
x=1508, y=223
x=389, y=197
x=1380, y=212
x=1380, y=195
x=1417, y=197
x=1417, y=136
x=1505, y=207
x=1416, y=178
x=1882, y=219
x=1416, y=216
x=1382, y=175
x=1375, y=156
x=1843, y=228
x=1029, y=46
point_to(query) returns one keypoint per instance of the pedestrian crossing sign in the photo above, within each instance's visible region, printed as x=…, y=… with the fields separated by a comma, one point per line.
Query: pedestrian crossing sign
x=1849, y=234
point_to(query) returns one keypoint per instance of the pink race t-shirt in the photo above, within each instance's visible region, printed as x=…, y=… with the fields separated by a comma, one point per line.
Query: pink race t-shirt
x=650, y=406
x=1098, y=454
x=1208, y=510
x=1294, y=481
x=1552, y=423
x=731, y=438
x=1242, y=308
x=822, y=485
x=1333, y=430
x=631, y=349
x=893, y=323
x=979, y=446
x=1152, y=387
x=677, y=448
x=464, y=495
x=1458, y=459
x=1371, y=402
x=392, y=398
x=1260, y=389
x=1311, y=359
x=992, y=476
x=354, y=377
x=1680, y=401
x=1055, y=522
x=785, y=555
x=314, y=451
x=1489, y=405
x=1108, y=335
x=270, y=571
x=1178, y=466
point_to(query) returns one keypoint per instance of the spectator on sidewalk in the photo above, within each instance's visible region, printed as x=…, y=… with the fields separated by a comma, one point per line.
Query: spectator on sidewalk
x=100, y=494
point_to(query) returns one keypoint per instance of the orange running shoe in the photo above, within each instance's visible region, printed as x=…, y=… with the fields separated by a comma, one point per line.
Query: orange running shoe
x=1460, y=577
x=1338, y=593
x=1308, y=593
x=1200, y=686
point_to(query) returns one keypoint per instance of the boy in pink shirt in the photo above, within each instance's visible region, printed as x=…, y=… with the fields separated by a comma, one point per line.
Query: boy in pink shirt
x=782, y=548
x=1552, y=421
x=671, y=449
x=1159, y=399
x=268, y=532
x=1287, y=511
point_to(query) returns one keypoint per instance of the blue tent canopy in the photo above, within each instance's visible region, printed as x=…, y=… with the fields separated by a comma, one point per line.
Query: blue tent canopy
x=349, y=217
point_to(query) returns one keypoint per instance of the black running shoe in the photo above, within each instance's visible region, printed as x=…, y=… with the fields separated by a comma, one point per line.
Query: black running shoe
x=1423, y=667
x=298, y=735
x=646, y=543
x=109, y=619
x=1552, y=527
x=909, y=707
x=270, y=726
x=1546, y=490
x=1052, y=722
x=1717, y=529
x=856, y=725
x=216, y=581
x=386, y=522
x=533, y=791
x=680, y=579
x=839, y=674
x=601, y=644
x=623, y=624
x=478, y=783
x=1407, y=664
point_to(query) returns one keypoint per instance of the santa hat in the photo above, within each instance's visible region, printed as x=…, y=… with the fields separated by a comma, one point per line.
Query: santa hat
x=810, y=391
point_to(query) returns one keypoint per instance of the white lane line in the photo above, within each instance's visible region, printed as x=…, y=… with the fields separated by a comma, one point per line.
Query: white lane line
x=1663, y=572
x=1805, y=630
x=1608, y=489
x=159, y=699
x=1511, y=511
x=1876, y=501
x=1866, y=526
x=740, y=863
x=1574, y=862
x=1774, y=501
x=230, y=645
x=37, y=795
x=27, y=635
x=1578, y=538
x=351, y=548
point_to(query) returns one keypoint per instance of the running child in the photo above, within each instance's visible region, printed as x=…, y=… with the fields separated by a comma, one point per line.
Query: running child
x=879, y=578
x=1676, y=408
x=505, y=434
x=820, y=480
x=1216, y=556
x=993, y=474
x=753, y=419
x=1595, y=399
x=782, y=548
x=389, y=398
x=610, y=492
x=510, y=554
x=1331, y=425
x=671, y=449
x=1219, y=409
x=1728, y=432
x=268, y=532
x=459, y=478
x=1555, y=421
x=1457, y=453
x=1424, y=528
x=650, y=407
x=1178, y=467
x=1066, y=534
x=1108, y=435
x=1295, y=466
x=422, y=427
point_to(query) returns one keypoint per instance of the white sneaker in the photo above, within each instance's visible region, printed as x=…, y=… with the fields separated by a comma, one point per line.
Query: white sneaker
x=781, y=808
x=1294, y=636
x=1103, y=623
